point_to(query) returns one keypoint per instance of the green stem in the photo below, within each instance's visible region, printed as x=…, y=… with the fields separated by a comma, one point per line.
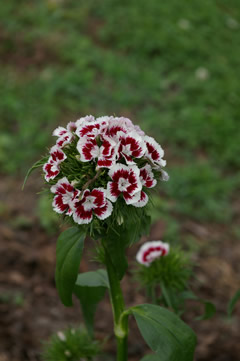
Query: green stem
x=120, y=323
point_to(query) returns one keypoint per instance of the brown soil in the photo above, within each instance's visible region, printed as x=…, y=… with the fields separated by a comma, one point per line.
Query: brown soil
x=30, y=309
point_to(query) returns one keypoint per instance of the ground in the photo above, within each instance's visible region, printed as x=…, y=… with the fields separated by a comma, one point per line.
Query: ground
x=172, y=67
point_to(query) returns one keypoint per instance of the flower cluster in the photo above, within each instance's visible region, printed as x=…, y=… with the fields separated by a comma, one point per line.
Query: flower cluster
x=127, y=162
x=150, y=251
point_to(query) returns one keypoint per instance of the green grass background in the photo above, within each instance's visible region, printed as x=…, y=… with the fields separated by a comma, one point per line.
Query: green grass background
x=173, y=67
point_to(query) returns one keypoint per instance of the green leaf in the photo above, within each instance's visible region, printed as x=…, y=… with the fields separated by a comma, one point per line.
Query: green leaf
x=69, y=251
x=90, y=288
x=209, y=307
x=97, y=278
x=209, y=311
x=165, y=333
x=141, y=227
x=233, y=302
x=36, y=165
x=151, y=358
x=167, y=295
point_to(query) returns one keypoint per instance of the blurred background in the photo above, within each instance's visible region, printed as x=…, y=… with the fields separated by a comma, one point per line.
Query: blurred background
x=173, y=67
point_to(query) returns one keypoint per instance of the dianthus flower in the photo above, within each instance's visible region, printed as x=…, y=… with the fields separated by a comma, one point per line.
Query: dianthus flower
x=150, y=251
x=97, y=162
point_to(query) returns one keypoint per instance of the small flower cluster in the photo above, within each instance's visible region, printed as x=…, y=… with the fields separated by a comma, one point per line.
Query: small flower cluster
x=126, y=159
x=150, y=251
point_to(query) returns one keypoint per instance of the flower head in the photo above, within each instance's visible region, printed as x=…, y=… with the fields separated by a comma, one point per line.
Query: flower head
x=150, y=251
x=97, y=161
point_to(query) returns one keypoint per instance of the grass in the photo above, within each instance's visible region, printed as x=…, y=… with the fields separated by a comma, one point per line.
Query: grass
x=171, y=66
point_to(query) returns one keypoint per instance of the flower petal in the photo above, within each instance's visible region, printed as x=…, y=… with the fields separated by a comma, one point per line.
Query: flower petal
x=58, y=205
x=105, y=211
x=100, y=197
x=112, y=191
x=150, y=251
x=51, y=169
x=147, y=177
x=154, y=151
x=92, y=129
x=131, y=199
x=80, y=215
x=84, y=120
x=132, y=146
x=142, y=201
x=59, y=132
x=57, y=154
x=65, y=196
x=88, y=149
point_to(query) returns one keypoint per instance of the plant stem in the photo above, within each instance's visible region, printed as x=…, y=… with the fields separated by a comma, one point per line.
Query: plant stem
x=120, y=323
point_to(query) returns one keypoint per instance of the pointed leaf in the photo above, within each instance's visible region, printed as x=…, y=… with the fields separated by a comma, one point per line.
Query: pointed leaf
x=209, y=307
x=233, y=302
x=36, y=165
x=165, y=333
x=90, y=289
x=209, y=310
x=69, y=251
x=89, y=297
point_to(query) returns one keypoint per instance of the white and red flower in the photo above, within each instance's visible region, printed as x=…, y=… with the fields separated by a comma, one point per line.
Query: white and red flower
x=88, y=149
x=84, y=120
x=65, y=136
x=125, y=181
x=147, y=180
x=143, y=200
x=65, y=196
x=147, y=177
x=57, y=154
x=131, y=146
x=154, y=152
x=51, y=168
x=108, y=153
x=150, y=251
x=93, y=128
x=92, y=203
x=119, y=125
x=107, y=142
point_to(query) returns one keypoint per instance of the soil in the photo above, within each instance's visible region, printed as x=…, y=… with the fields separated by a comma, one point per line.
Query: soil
x=30, y=310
